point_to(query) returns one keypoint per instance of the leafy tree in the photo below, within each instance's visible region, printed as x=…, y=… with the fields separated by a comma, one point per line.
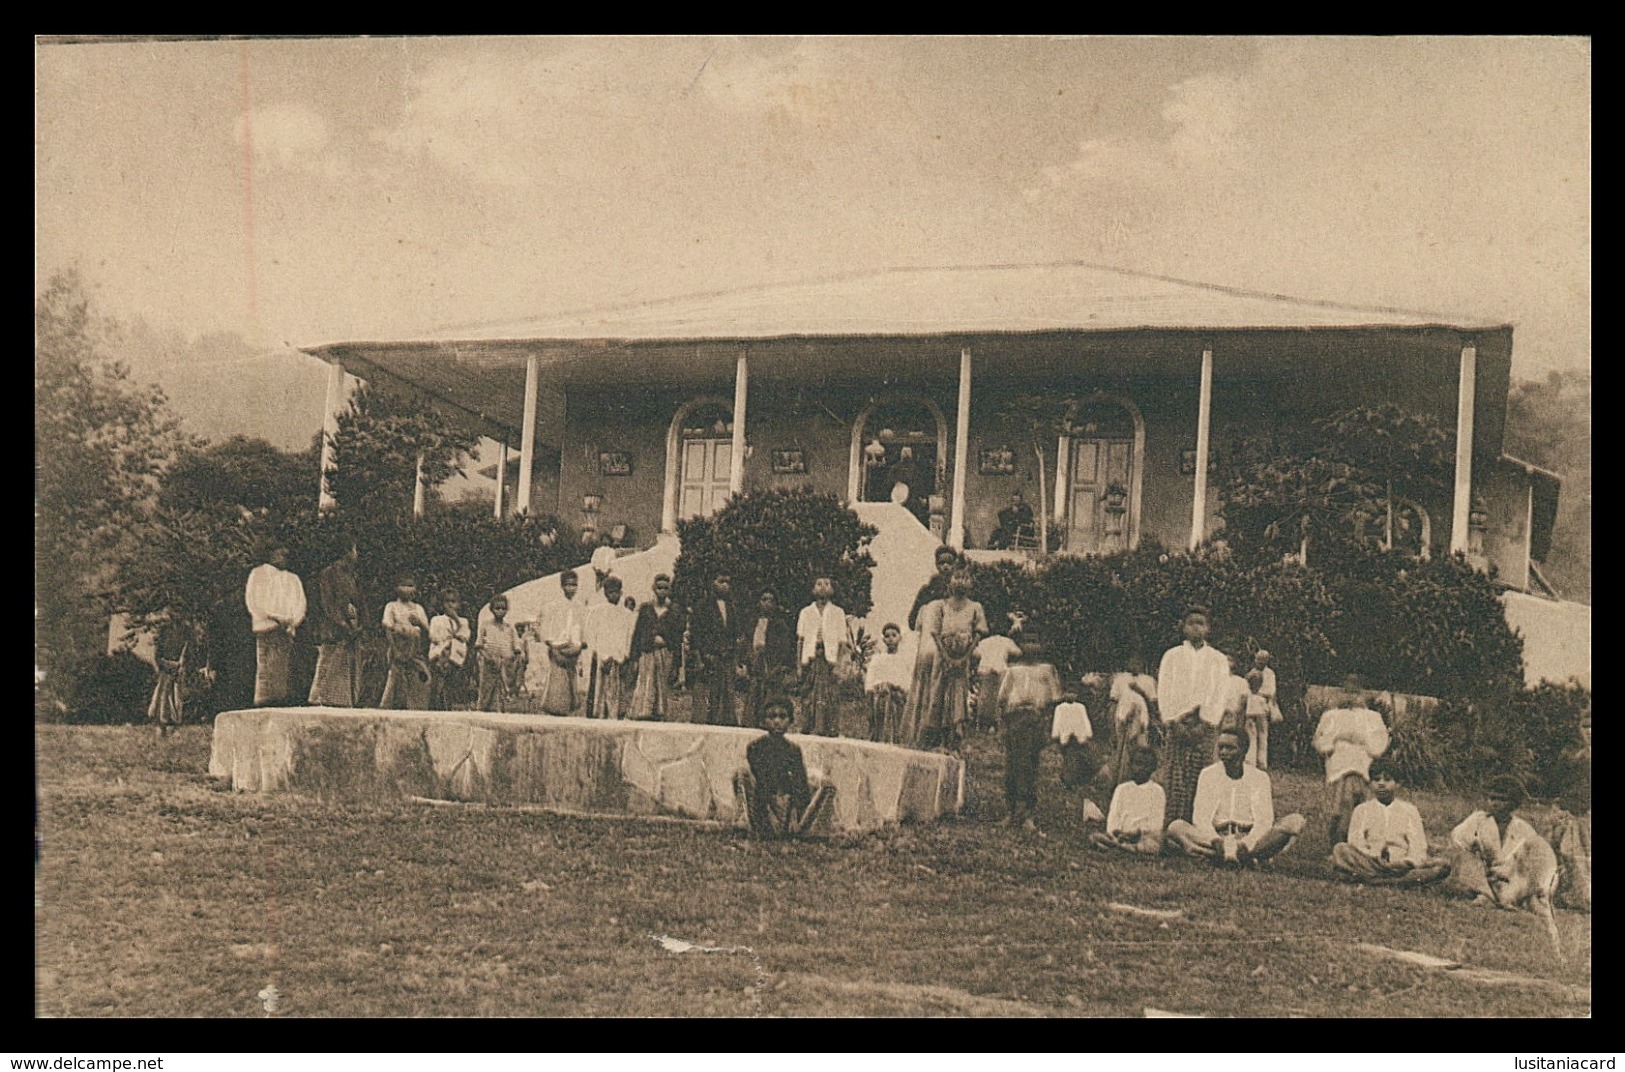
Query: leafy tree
x=1394, y=445
x=101, y=443
x=778, y=538
x=381, y=440
x=1045, y=417
x=1281, y=493
x=242, y=474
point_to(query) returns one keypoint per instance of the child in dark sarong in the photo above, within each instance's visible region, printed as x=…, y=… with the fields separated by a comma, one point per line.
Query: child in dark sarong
x=774, y=791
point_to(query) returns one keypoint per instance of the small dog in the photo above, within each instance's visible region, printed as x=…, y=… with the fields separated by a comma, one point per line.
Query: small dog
x=1526, y=879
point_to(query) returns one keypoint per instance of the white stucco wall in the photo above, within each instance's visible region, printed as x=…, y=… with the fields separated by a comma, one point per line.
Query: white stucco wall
x=1556, y=638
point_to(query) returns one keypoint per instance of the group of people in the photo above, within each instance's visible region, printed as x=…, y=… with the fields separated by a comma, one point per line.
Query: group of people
x=1215, y=799
x=1191, y=745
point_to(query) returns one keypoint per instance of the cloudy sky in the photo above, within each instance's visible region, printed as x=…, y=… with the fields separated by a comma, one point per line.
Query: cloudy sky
x=308, y=191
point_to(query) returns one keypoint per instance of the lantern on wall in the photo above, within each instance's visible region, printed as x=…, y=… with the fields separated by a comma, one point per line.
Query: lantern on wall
x=1478, y=521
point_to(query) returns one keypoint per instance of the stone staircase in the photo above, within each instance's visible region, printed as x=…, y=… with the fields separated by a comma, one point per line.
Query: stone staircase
x=636, y=570
x=903, y=554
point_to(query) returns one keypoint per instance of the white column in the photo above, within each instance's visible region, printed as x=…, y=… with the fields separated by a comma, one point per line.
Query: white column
x=527, y=437
x=418, y=491
x=1204, y=422
x=1459, y=519
x=502, y=477
x=330, y=430
x=956, y=527
x=736, y=472
x=1063, y=460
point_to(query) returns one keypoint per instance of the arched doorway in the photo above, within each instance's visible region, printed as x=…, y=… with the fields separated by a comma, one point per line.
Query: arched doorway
x=1102, y=489
x=699, y=460
x=899, y=446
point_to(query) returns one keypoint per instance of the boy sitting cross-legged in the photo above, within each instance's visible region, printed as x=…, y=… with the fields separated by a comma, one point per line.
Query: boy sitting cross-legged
x=1134, y=821
x=1387, y=845
x=774, y=791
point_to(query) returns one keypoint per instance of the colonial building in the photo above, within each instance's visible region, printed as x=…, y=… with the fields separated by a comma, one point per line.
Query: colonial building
x=896, y=384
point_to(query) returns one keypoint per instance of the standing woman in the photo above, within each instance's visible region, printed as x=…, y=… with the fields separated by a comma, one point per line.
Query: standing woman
x=167, y=708
x=657, y=635
x=930, y=595
x=449, y=636
x=276, y=608
x=955, y=626
x=338, y=624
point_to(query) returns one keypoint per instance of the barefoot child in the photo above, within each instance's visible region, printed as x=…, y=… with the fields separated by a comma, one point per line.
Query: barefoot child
x=406, y=626
x=1387, y=845
x=501, y=660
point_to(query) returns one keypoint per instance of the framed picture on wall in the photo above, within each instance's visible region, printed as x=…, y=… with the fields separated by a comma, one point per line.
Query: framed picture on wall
x=614, y=463
x=998, y=461
x=789, y=461
x=1187, y=461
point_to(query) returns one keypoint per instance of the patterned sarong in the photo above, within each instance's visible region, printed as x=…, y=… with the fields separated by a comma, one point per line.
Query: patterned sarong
x=272, y=651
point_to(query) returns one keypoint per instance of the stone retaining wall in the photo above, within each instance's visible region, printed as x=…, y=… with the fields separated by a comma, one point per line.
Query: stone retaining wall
x=570, y=764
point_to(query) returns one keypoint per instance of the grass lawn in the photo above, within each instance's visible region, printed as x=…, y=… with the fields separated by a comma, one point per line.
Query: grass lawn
x=161, y=893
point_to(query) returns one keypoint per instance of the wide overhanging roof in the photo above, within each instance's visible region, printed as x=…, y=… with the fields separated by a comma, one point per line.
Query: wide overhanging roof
x=919, y=314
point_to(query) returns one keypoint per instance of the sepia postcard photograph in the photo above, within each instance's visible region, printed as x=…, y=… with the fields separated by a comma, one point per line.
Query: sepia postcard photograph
x=831, y=526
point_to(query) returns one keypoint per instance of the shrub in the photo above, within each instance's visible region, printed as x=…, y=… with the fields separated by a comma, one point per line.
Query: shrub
x=1110, y=612
x=777, y=538
x=1434, y=627
x=110, y=689
x=1549, y=718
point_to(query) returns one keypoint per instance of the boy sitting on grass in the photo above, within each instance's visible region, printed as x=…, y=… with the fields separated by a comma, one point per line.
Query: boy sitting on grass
x=1387, y=845
x=774, y=791
x=1134, y=821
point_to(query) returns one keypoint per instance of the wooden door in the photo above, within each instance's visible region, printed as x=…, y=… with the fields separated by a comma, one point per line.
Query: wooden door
x=1098, y=522
x=703, y=484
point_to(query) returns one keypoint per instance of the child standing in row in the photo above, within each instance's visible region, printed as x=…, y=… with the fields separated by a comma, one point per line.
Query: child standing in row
x=449, y=634
x=885, y=682
x=1029, y=694
x=406, y=626
x=820, y=635
x=501, y=659
x=1262, y=708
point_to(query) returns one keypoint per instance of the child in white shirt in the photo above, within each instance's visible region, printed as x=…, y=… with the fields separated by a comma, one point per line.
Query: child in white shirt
x=1387, y=845
x=1134, y=821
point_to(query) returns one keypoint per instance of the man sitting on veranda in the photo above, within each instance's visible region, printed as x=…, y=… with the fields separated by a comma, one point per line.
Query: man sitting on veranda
x=1233, y=821
x=774, y=791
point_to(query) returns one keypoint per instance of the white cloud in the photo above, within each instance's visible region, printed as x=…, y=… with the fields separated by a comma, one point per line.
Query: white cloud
x=291, y=135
